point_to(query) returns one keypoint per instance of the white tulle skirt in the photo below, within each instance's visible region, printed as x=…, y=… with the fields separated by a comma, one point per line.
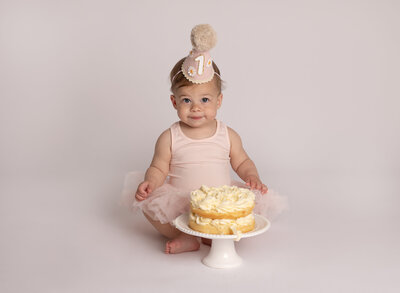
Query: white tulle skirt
x=167, y=202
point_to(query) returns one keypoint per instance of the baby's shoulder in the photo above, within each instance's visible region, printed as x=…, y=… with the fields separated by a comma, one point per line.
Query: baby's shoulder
x=234, y=138
x=165, y=138
x=232, y=133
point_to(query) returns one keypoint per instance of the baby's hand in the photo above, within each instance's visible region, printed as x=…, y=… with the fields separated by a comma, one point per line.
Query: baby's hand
x=255, y=183
x=143, y=190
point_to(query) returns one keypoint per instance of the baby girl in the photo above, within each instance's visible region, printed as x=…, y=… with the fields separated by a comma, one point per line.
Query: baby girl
x=197, y=150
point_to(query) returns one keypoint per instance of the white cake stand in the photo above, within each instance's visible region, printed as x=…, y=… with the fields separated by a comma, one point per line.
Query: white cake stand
x=222, y=253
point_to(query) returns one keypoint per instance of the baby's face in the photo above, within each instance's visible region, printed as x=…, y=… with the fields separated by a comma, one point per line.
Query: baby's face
x=197, y=104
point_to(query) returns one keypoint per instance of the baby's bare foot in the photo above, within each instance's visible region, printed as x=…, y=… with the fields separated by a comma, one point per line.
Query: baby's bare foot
x=182, y=243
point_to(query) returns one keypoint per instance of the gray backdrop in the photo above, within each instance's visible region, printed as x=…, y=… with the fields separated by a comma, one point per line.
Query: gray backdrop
x=312, y=87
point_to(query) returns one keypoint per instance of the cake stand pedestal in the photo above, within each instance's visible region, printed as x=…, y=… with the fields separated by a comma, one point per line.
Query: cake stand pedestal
x=222, y=253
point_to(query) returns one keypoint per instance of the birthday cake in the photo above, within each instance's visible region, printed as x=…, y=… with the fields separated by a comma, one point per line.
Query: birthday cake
x=222, y=210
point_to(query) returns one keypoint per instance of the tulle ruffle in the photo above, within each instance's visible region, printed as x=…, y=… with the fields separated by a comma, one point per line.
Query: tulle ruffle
x=269, y=205
x=164, y=204
x=167, y=202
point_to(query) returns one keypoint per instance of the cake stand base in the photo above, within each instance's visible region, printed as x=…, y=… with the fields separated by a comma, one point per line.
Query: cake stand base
x=222, y=253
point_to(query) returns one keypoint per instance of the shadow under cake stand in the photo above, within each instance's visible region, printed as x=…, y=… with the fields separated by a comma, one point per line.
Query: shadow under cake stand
x=222, y=253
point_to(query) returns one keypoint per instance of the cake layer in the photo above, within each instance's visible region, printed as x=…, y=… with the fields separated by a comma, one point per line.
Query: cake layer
x=223, y=215
x=221, y=226
x=219, y=202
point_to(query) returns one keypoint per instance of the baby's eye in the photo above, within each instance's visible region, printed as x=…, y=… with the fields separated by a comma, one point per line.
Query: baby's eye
x=205, y=100
x=186, y=100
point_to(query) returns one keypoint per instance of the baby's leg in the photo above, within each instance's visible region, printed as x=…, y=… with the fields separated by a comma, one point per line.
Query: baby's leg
x=180, y=242
x=165, y=229
x=206, y=241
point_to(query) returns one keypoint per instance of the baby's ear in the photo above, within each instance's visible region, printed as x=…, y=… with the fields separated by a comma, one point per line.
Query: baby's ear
x=173, y=100
x=219, y=100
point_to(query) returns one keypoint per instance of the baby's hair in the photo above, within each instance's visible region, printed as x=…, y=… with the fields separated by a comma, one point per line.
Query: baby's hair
x=180, y=80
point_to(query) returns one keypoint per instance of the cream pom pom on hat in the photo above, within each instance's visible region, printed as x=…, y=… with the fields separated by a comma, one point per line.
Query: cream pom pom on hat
x=198, y=65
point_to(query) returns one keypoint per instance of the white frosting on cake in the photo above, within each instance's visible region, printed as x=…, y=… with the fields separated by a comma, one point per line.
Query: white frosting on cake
x=222, y=199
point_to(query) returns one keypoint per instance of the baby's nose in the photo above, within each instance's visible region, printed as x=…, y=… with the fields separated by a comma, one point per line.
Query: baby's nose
x=196, y=107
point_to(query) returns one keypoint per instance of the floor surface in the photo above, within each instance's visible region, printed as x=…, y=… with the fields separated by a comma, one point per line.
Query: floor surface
x=70, y=235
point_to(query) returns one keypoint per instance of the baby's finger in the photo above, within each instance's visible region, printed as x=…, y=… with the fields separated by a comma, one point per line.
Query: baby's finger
x=140, y=193
x=264, y=189
x=143, y=188
x=253, y=184
x=257, y=185
x=139, y=197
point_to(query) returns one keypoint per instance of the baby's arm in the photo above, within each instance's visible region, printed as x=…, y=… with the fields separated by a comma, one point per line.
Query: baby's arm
x=159, y=167
x=243, y=165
